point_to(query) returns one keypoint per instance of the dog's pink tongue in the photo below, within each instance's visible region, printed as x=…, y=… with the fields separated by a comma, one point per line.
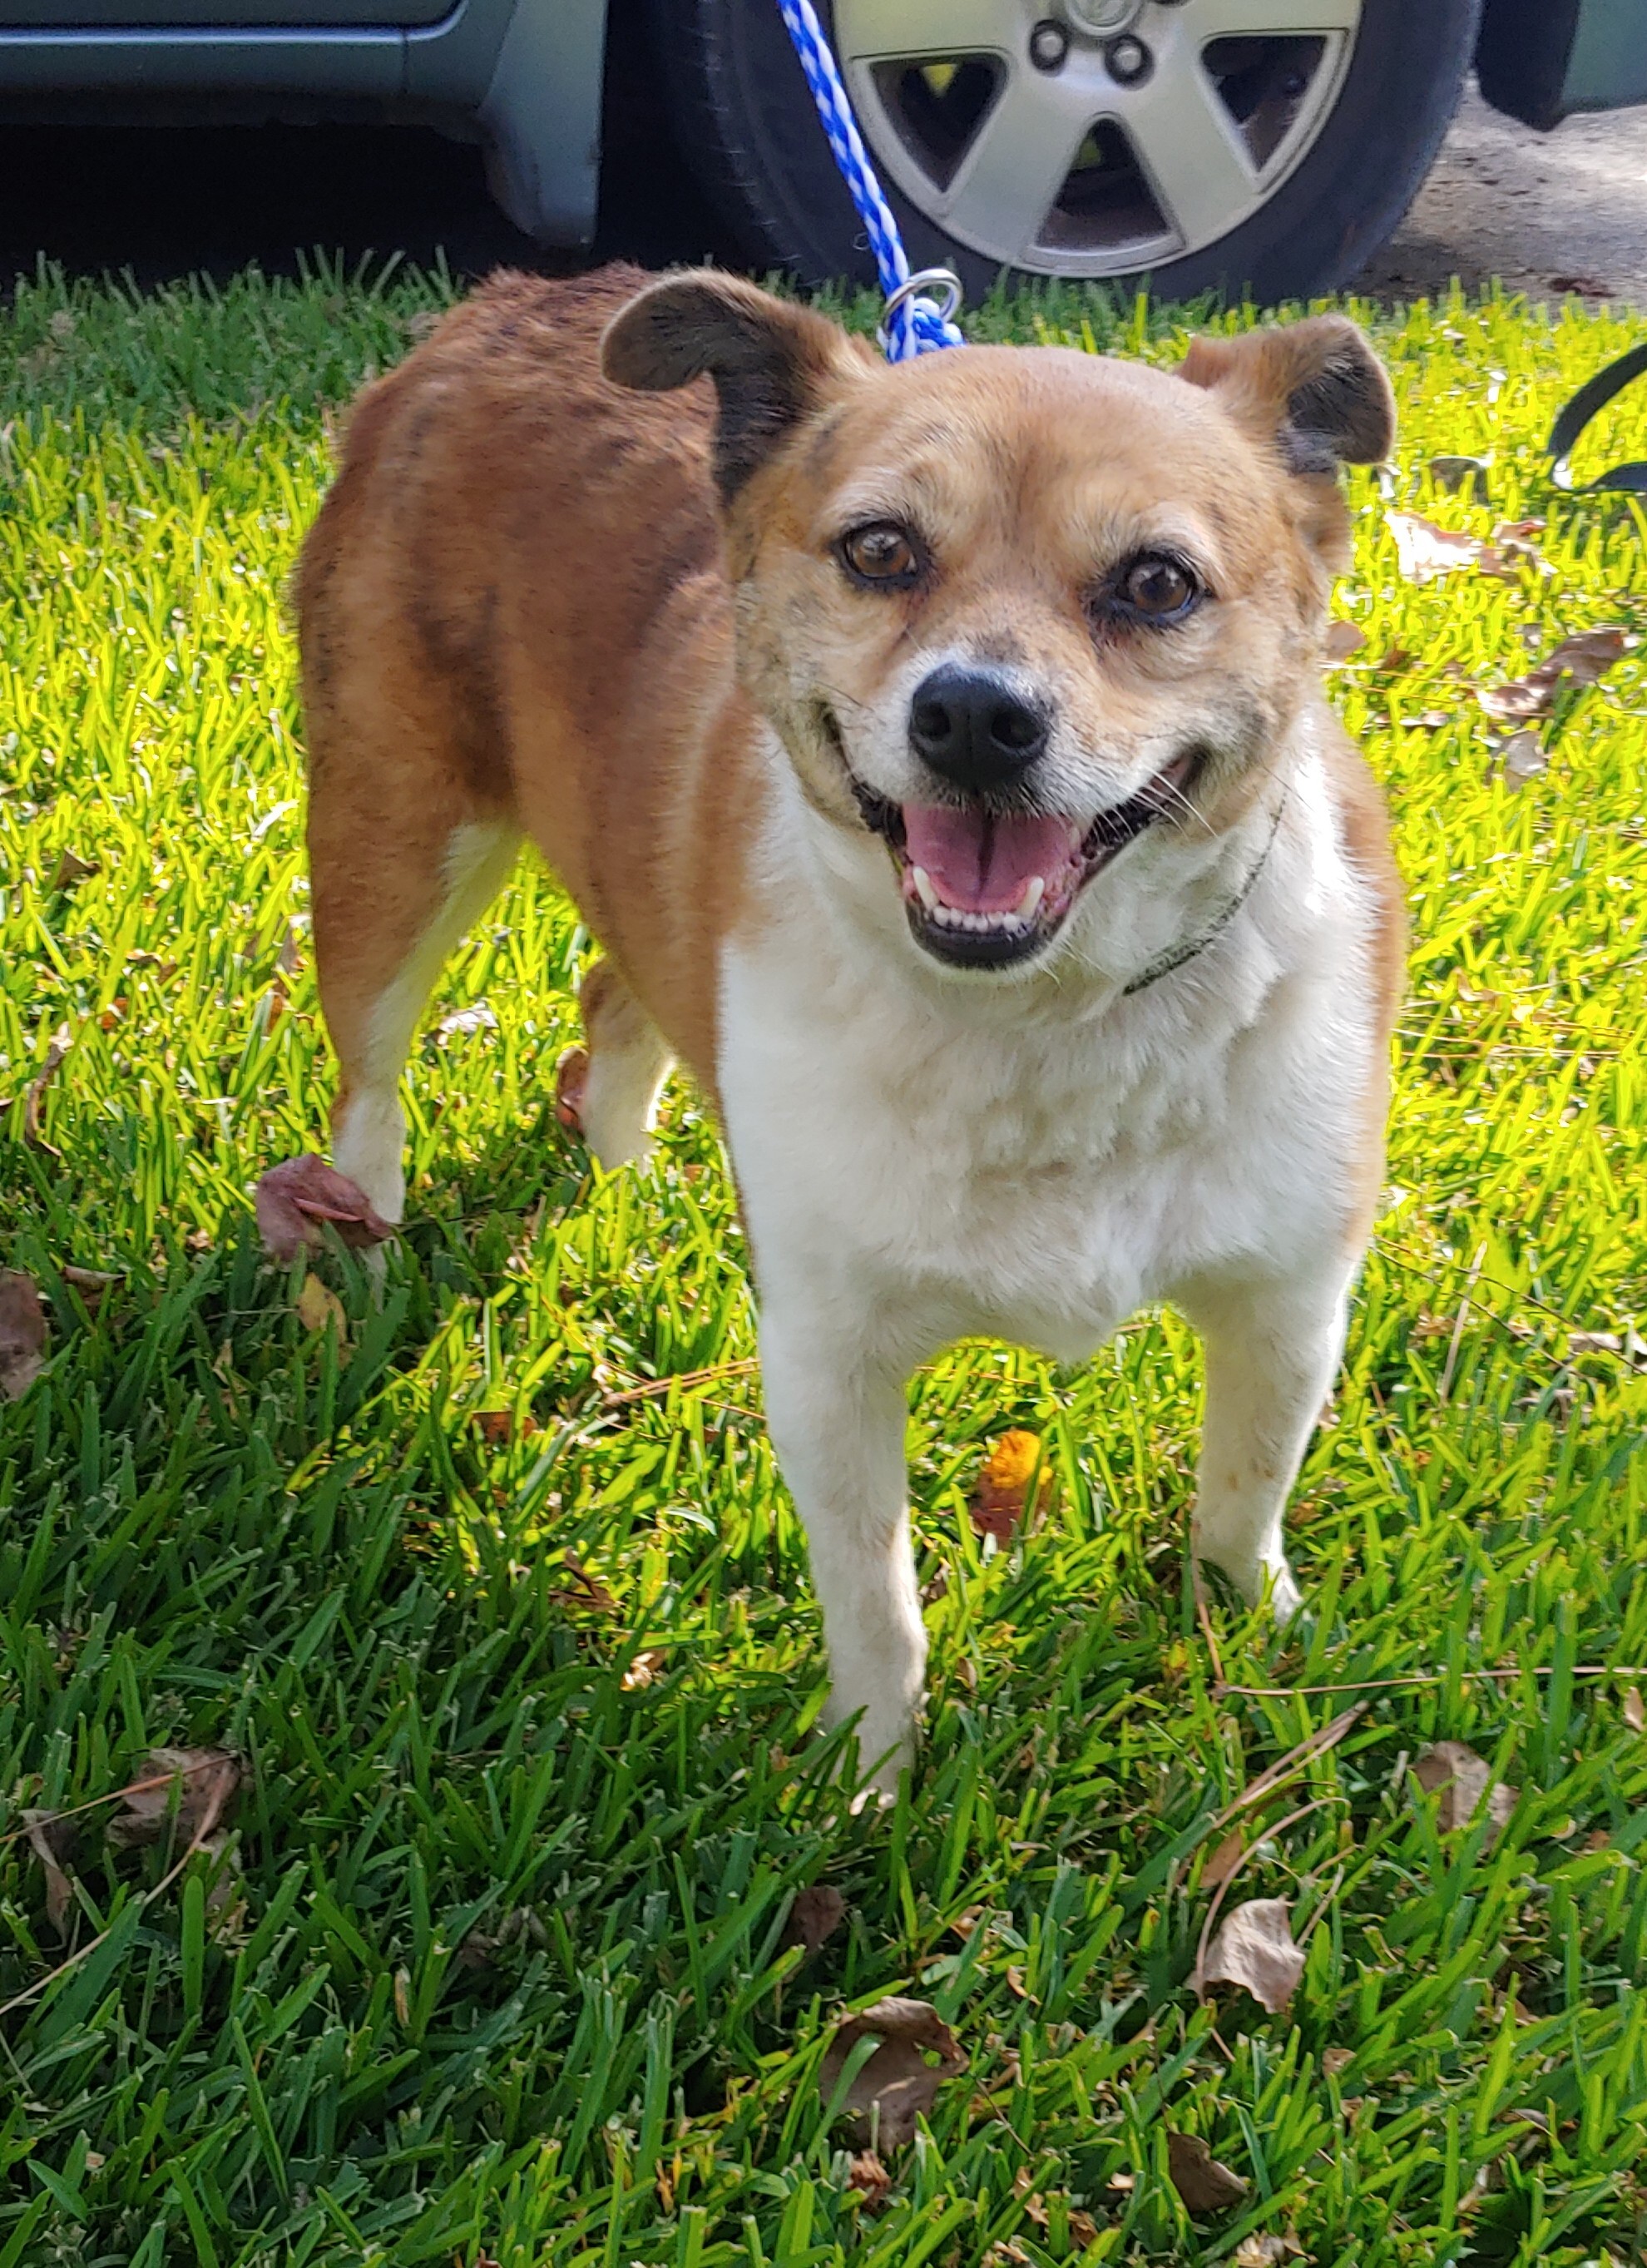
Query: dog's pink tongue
x=983, y=864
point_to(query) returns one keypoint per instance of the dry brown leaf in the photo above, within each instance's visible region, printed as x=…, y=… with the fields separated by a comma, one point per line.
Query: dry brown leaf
x=643, y=1671
x=1204, y=2184
x=191, y=1789
x=93, y=1283
x=1253, y=1948
x=315, y=1307
x=1342, y=640
x=1001, y=1499
x=1635, y=1713
x=289, y=960
x=1256, y=2252
x=70, y=869
x=1424, y=551
x=817, y=1913
x=495, y=1427
x=866, y=2174
x=51, y=1839
x=1585, y=657
x=1460, y=1779
x=294, y=1200
x=22, y=1333
x=897, y=2083
x=1336, y=2059
x=1393, y=658
x=1455, y=472
x=1522, y=758
x=34, y=1094
x=591, y=1591
x=1224, y=1861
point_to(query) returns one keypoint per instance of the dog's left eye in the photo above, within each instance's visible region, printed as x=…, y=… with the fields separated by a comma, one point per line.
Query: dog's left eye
x=1159, y=586
x=1154, y=587
x=880, y=552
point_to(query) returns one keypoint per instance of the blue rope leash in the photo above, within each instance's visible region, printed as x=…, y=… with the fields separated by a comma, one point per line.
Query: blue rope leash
x=913, y=324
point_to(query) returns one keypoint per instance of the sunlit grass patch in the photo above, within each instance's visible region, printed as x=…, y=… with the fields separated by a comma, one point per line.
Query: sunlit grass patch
x=514, y=1640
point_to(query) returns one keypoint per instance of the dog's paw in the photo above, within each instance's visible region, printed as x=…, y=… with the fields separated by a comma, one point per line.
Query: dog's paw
x=572, y=1084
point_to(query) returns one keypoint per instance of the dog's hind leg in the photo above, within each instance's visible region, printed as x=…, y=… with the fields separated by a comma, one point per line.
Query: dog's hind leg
x=390, y=900
x=1271, y=1351
x=608, y=1089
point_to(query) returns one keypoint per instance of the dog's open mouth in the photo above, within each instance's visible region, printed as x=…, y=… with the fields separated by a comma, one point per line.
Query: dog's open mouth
x=984, y=888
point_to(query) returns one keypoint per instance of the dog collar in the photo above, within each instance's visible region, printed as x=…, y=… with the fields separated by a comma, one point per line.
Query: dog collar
x=1176, y=955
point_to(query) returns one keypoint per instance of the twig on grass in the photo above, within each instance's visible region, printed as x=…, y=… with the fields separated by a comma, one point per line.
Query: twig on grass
x=684, y=1378
x=1197, y=1975
x=1425, y=1677
x=114, y=1795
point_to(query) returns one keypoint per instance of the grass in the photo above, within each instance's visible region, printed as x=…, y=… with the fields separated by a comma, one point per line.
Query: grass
x=494, y=1969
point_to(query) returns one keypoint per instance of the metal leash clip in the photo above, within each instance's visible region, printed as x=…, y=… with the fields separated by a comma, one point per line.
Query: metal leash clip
x=935, y=279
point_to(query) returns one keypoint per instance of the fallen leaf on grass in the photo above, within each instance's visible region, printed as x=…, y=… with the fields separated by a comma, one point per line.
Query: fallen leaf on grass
x=1522, y=758
x=495, y=1427
x=34, y=1093
x=1204, y=2184
x=289, y=960
x=1342, y=640
x=643, y=1670
x=817, y=1913
x=1460, y=1779
x=51, y=1839
x=1257, y=2252
x=194, y=1791
x=70, y=869
x=22, y=1333
x=1631, y=1346
x=1254, y=1948
x=1224, y=1861
x=1423, y=550
x=315, y=1307
x=591, y=1591
x=1635, y=1713
x=866, y=2174
x=1585, y=657
x=91, y=1283
x=294, y=1199
x=1455, y=472
x=897, y=2083
x=1001, y=1499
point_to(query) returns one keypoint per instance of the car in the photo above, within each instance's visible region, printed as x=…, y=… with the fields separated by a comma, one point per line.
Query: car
x=1260, y=146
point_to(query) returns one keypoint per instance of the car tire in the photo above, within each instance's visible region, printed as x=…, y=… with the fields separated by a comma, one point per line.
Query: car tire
x=747, y=127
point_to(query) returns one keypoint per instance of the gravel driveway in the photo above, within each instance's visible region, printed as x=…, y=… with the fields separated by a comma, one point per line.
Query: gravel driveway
x=1548, y=212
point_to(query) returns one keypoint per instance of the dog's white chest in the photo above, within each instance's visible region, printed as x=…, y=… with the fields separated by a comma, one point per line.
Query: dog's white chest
x=1032, y=1179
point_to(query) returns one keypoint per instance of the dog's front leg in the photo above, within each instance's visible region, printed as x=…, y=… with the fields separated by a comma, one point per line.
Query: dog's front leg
x=1271, y=1349
x=837, y=1415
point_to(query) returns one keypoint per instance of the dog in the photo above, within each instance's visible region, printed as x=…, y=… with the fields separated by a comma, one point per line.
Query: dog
x=939, y=754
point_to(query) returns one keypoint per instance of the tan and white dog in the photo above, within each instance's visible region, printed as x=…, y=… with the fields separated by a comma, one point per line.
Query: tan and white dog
x=939, y=754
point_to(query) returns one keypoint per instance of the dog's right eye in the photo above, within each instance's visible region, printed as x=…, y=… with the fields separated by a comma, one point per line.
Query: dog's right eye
x=882, y=553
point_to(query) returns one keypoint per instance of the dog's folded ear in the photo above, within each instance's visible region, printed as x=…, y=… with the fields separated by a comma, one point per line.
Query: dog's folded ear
x=773, y=364
x=1315, y=388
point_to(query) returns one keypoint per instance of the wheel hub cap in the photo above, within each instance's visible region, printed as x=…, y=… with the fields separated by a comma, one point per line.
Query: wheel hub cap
x=1064, y=166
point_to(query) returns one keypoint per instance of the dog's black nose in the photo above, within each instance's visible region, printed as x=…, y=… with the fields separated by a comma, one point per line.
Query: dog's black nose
x=975, y=727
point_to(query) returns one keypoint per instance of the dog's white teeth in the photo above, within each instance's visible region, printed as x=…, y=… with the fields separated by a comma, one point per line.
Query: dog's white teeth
x=923, y=889
x=1035, y=891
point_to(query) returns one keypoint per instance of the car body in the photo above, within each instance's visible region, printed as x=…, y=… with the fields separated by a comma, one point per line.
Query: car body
x=525, y=77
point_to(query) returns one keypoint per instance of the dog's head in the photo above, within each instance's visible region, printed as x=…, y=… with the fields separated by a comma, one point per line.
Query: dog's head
x=1011, y=609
